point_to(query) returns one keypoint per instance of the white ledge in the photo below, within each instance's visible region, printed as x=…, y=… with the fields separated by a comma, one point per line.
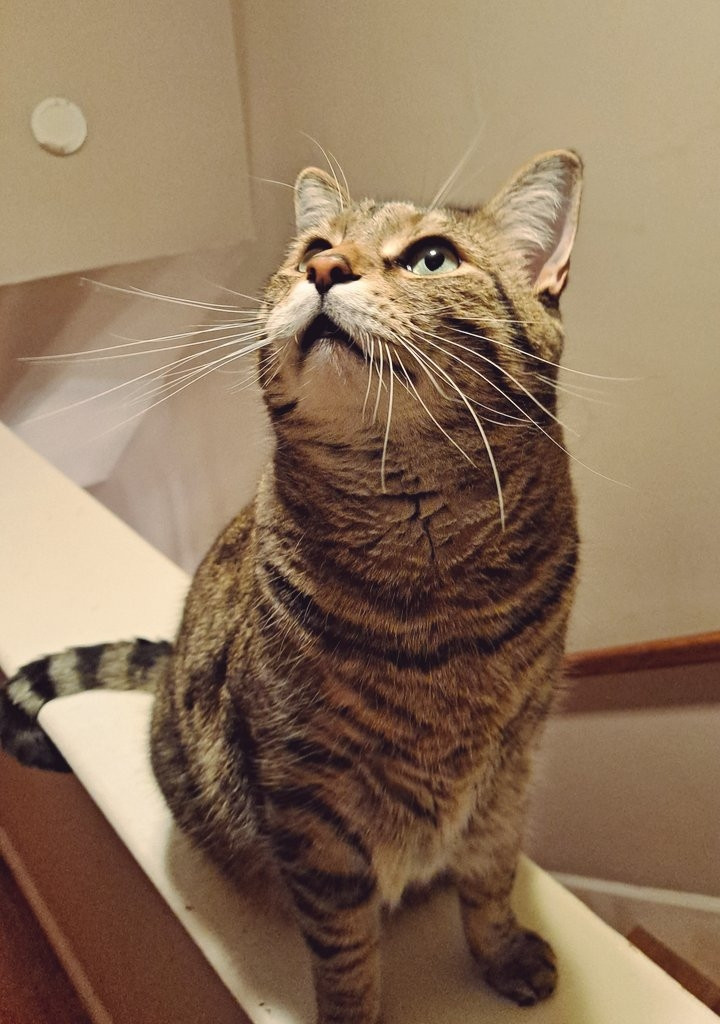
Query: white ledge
x=75, y=574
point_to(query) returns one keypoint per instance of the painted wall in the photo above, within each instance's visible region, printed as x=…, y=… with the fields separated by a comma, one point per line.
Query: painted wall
x=398, y=93
x=158, y=173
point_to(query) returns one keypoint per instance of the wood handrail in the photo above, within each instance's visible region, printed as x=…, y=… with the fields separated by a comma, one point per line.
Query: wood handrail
x=696, y=649
x=630, y=678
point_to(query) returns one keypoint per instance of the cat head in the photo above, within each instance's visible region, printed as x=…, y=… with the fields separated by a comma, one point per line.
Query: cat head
x=439, y=320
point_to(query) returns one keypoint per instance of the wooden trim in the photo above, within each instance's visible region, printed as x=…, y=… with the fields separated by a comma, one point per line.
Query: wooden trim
x=640, y=677
x=698, y=649
x=702, y=987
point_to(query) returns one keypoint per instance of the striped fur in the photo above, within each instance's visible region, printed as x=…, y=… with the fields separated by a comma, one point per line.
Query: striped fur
x=367, y=653
x=132, y=665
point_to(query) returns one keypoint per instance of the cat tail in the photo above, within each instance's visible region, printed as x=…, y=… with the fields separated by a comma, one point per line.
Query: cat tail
x=129, y=665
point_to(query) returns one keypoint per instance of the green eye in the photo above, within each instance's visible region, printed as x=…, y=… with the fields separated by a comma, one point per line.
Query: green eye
x=430, y=256
x=317, y=245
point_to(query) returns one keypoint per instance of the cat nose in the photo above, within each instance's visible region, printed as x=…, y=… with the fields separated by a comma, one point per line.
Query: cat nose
x=329, y=268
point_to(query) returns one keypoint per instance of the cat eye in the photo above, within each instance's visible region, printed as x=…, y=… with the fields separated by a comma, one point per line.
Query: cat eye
x=430, y=256
x=317, y=245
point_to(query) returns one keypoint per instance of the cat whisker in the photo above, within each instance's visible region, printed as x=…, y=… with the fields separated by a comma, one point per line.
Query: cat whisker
x=276, y=357
x=457, y=170
x=324, y=152
x=272, y=181
x=478, y=424
x=501, y=369
x=156, y=373
x=231, y=291
x=158, y=296
x=170, y=378
x=380, y=381
x=95, y=356
x=580, y=388
x=195, y=375
x=389, y=418
x=342, y=173
x=418, y=396
x=542, y=430
x=540, y=359
x=585, y=394
x=370, y=353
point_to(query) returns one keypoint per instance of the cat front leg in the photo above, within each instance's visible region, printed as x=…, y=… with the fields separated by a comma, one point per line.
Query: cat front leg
x=329, y=876
x=515, y=961
x=344, y=947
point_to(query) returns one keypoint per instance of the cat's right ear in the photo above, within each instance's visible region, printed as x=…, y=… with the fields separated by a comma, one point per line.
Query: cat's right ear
x=537, y=214
x=318, y=197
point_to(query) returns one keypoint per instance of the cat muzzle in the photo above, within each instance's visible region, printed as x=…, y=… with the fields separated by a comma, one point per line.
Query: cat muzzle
x=322, y=328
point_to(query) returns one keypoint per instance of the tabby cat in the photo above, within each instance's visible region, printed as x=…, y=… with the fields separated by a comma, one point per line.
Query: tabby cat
x=368, y=650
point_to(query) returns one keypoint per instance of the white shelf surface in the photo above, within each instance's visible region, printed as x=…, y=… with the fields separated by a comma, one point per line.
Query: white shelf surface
x=75, y=574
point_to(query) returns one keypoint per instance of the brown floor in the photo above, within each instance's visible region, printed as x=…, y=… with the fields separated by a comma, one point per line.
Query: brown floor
x=34, y=989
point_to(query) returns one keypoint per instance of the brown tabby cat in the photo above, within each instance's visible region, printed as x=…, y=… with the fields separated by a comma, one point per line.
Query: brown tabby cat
x=368, y=651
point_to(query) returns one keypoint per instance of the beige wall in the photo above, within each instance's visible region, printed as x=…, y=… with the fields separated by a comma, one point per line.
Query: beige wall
x=633, y=795
x=398, y=92
x=162, y=170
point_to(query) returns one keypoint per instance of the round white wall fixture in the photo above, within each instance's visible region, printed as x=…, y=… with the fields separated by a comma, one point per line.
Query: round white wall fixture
x=59, y=126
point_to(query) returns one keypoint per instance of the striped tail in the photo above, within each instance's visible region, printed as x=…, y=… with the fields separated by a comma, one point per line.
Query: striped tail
x=130, y=665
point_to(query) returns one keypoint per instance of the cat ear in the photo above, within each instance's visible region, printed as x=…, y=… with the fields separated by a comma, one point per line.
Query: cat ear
x=537, y=213
x=318, y=196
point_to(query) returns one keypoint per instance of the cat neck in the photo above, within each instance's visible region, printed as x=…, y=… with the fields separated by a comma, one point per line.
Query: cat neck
x=434, y=507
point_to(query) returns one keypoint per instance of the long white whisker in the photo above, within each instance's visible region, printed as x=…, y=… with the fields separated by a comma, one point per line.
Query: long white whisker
x=81, y=358
x=539, y=359
x=491, y=458
x=417, y=394
x=496, y=412
x=542, y=430
x=273, y=181
x=177, y=375
x=197, y=375
x=455, y=173
x=330, y=165
x=380, y=381
x=132, y=290
x=155, y=372
x=275, y=357
x=231, y=291
x=389, y=418
x=574, y=392
x=497, y=366
x=342, y=173
x=371, y=357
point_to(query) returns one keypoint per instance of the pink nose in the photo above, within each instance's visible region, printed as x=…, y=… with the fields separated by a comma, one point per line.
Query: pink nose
x=327, y=269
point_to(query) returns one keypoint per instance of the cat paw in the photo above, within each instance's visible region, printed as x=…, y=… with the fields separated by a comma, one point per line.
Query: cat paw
x=526, y=973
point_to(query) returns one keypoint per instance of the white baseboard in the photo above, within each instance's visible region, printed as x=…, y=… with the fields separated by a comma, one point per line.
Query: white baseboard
x=640, y=893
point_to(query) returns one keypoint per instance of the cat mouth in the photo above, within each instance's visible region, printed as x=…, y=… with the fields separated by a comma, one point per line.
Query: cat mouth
x=322, y=328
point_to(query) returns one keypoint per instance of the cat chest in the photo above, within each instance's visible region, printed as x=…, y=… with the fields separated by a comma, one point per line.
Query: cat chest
x=421, y=848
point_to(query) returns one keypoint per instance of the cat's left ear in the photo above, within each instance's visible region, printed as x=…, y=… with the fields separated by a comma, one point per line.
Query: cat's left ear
x=318, y=197
x=537, y=214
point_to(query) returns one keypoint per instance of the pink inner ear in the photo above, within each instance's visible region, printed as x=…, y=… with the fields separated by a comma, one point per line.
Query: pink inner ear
x=549, y=266
x=552, y=277
x=538, y=212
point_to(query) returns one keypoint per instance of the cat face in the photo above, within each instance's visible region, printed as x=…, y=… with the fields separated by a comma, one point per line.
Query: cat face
x=437, y=319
